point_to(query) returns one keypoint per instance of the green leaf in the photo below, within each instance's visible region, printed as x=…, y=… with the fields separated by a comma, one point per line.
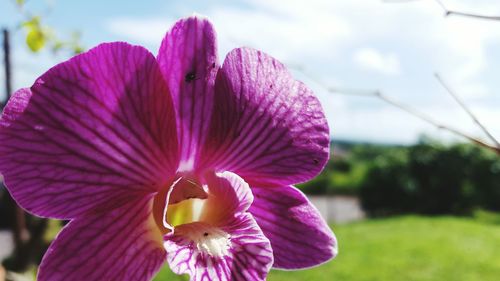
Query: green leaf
x=33, y=22
x=35, y=39
x=58, y=45
x=20, y=2
x=78, y=49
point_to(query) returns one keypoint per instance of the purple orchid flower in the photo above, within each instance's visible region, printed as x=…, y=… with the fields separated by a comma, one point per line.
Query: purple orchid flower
x=173, y=158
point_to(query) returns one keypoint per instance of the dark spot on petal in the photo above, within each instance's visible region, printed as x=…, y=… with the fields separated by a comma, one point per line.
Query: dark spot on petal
x=190, y=76
x=271, y=86
x=213, y=65
x=205, y=234
x=316, y=161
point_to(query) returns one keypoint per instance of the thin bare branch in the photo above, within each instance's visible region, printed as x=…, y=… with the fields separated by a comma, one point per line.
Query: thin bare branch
x=458, y=13
x=402, y=106
x=448, y=12
x=441, y=4
x=466, y=109
x=422, y=116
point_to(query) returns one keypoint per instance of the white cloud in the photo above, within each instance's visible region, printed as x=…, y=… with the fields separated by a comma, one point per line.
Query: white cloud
x=371, y=59
x=148, y=31
x=29, y=66
x=385, y=123
x=289, y=31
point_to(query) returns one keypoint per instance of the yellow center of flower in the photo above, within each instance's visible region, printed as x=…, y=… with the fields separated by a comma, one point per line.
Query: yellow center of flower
x=186, y=200
x=184, y=205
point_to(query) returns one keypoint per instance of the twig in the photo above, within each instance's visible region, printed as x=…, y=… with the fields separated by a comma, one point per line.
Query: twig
x=423, y=116
x=458, y=13
x=404, y=107
x=466, y=109
x=448, y=12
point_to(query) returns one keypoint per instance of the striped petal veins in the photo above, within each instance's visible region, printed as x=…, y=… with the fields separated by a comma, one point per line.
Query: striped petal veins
x=208, y=232
x=120, y=142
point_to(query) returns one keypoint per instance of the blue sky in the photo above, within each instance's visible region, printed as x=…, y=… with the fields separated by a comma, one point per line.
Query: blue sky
x=360, y=44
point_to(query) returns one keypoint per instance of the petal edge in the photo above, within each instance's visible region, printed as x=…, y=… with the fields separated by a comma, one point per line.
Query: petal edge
x=299, y=236
x=266, y=126
x=88, y=132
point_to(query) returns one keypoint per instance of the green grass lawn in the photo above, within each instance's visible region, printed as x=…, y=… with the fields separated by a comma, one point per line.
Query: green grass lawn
x=406, y=249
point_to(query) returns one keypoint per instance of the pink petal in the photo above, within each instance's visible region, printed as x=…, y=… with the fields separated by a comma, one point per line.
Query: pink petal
x=250, y=256
x=299, y=236
x=266, y=126
x=97, y=127
x=123, y=244
x=228, y=195
x=188, y=61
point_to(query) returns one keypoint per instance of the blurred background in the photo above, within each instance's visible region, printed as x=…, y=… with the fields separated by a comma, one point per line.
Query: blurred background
x=410, y=90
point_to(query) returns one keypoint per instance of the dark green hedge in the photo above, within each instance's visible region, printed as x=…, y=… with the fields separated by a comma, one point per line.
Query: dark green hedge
x=433, y=179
